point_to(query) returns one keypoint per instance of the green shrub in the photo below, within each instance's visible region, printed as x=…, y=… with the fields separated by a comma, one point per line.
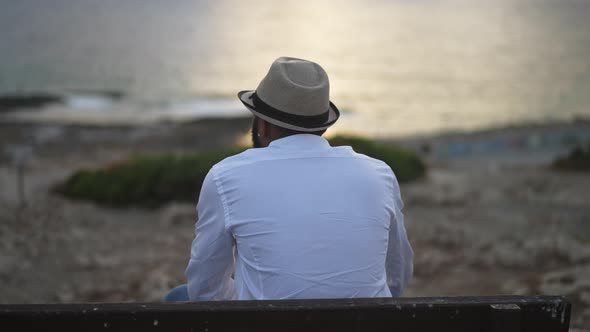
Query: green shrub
x=153, y=180
x=577, y=160
x=144, y=180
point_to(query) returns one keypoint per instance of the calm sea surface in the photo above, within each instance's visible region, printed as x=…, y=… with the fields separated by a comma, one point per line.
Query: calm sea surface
x=398, y=67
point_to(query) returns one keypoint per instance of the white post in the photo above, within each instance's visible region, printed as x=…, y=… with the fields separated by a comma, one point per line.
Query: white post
x=20, y=155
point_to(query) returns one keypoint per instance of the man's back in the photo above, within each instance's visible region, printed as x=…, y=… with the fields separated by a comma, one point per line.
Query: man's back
x=307, y=221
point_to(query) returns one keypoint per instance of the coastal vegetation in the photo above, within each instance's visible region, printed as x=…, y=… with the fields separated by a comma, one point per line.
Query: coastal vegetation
x=154, y=180
x=577, y=160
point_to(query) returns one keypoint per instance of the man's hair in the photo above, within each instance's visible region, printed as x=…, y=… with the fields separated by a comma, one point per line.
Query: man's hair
x=289, y=132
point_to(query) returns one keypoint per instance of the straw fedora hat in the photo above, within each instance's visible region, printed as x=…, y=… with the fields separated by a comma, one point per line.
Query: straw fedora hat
x=294, y=94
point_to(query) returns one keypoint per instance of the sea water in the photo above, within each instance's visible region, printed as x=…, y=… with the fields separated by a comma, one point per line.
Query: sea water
x=396, y=67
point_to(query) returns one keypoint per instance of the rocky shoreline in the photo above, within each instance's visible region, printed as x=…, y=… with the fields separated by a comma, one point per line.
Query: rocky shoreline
x=481, y=223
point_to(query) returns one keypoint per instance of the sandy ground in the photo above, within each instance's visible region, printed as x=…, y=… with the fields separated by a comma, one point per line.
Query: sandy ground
x=487, y=222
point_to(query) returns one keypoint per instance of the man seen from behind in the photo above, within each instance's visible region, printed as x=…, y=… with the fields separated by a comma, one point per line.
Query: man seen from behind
x=294, y=217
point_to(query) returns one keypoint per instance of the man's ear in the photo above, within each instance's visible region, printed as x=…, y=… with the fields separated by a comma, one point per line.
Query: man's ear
x=263, y=128
x=267, y=134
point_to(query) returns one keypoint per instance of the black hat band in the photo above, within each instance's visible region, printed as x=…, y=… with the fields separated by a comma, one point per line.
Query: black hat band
x=306, y=121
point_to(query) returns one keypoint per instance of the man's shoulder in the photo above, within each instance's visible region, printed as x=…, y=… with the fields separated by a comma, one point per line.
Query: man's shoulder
x=339, y=154
x=373, y=162
x=243, y=158
x=375, y=166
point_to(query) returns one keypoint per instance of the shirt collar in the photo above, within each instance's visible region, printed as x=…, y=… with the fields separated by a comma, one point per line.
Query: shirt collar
x=306, y=141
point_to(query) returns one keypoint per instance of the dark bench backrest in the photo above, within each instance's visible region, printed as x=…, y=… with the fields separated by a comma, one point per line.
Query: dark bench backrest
x=469, y=314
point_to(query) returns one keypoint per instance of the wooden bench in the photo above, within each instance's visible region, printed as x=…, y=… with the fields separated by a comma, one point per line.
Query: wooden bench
x=469, y=314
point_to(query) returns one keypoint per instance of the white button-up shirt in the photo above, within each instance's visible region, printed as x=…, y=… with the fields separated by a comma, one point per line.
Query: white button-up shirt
x=299, y=219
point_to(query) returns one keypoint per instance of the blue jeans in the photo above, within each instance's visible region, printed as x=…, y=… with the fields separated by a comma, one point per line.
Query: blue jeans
x=178, y=294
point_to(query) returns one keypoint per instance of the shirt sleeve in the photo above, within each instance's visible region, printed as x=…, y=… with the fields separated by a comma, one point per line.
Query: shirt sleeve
x=212, y=259
x=399, y=264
